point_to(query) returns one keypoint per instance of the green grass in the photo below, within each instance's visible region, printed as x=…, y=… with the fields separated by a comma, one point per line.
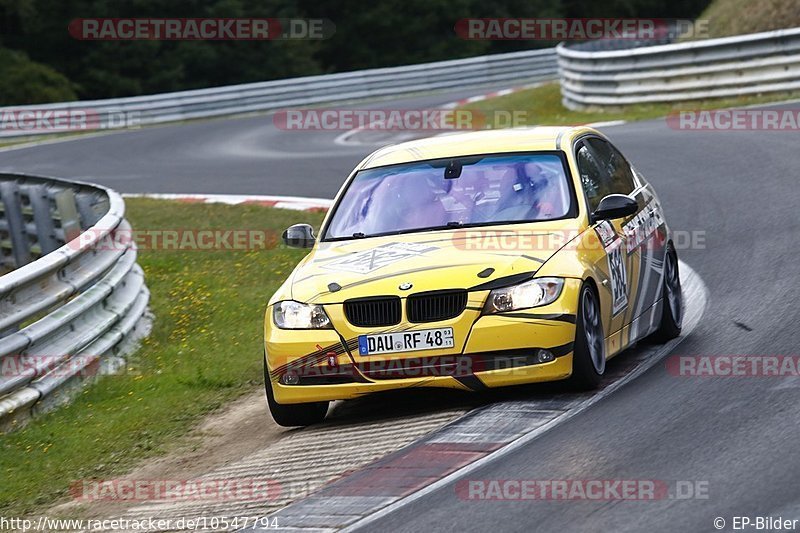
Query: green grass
x=542, y=105
x=737, y=17
x=205, y=350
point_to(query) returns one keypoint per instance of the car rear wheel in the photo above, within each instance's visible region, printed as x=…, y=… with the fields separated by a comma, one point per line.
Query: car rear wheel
x=589, y=355
x=295, y=414
x=672, y=300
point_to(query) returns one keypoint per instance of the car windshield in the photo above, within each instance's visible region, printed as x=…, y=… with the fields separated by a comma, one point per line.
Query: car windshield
x=452, y=193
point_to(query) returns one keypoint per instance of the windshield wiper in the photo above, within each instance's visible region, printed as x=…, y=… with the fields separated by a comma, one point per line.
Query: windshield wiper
x=362, y=235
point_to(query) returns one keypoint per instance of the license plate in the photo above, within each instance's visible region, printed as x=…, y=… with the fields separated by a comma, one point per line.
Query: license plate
x=406, y=341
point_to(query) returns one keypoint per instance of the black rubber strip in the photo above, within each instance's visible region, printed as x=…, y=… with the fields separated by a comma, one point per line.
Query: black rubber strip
x=472, y=382
x=503, y=282
x=561, y=317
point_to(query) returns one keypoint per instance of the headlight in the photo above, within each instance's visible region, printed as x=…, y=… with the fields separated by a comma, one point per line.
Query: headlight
x=534, y=293
x=295, y=315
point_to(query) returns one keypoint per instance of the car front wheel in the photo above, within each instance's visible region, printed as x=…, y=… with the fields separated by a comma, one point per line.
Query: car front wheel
x=589, y=355
x=295, y=414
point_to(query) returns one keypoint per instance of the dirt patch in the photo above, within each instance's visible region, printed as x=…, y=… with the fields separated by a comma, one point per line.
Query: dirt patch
x=224, y=436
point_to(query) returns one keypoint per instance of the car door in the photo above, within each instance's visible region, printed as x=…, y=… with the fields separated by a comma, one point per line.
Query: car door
x=604, y=171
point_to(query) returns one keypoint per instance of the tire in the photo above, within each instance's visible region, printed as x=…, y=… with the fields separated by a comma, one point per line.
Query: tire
x=294, y=414
x=589, y=354
x=672, y=300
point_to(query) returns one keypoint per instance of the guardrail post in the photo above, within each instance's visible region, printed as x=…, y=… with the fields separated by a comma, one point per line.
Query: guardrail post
x=41, y=222
x=16, y=251
x=66, y=214
x=91, y=208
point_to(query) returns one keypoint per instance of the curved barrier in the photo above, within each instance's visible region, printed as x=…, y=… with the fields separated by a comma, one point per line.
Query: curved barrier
x=731, y=66
x=527, y=66
x=73, y=301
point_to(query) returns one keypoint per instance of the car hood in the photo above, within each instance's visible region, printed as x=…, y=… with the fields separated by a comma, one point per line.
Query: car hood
x=433, y=260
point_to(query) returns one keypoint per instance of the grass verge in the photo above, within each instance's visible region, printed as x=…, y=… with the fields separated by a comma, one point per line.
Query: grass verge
x=542, y=105
x=737, y=17
x=205, y=350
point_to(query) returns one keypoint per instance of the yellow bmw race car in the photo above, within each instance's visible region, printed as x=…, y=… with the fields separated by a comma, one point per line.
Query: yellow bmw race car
x=472, y=261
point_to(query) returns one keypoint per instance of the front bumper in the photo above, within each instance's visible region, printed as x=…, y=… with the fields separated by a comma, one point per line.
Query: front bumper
x=493, y=350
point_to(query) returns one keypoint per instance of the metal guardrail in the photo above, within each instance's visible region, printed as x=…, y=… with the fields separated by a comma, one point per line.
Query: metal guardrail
x=73, y=301
x=526, y=66
x=715, y=68
x=600, y=73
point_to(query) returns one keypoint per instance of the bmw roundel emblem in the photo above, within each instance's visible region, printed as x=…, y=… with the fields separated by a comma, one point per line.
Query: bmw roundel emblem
x=405, y=286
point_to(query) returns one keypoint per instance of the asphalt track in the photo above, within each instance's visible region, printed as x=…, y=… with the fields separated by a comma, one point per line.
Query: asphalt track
x=247, y=155
x=738, y=434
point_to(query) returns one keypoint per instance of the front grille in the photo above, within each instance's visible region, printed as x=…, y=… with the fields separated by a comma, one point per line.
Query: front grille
x=435, y=305
x=372, y=312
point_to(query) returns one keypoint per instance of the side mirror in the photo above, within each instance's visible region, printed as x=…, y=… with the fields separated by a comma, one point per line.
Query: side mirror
x=299, y=236
x=615, y=206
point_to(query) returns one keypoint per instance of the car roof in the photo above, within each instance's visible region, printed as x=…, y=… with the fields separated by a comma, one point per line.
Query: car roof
x=472, y=143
